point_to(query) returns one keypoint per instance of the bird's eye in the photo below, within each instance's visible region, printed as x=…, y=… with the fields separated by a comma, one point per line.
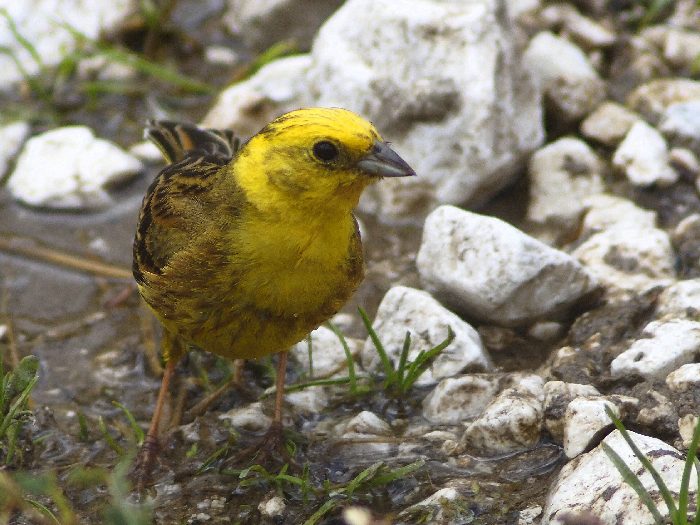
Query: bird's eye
x=325, y=151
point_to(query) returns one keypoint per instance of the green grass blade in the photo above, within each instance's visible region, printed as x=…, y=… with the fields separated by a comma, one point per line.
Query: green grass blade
x=389, y=371
x=84, y=433
x=21, y=40
x=401, y=369
x=653, y=11
x=685, y=480
x=21, y=376
x=43, y=509
x=328, y=506
x=142, y=65
x=348, y=356
x=108, y=437
x=663, y=489
x=272, y=53
x=633, y=481
x=397, y=473
x=17, y=405
x=162, y=73
x=423, y=360
x=135, y=428
x=363, y=476
x=696, y=520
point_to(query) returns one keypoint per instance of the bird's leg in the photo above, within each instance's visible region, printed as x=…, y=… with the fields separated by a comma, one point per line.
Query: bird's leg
x=149, y=449
x=279, y=391
x=172, y=351
x=271, y=448
x=238, y=367
x=272, y=445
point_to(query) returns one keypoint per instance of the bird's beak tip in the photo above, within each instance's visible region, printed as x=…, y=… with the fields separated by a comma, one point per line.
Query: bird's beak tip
x=382, y=161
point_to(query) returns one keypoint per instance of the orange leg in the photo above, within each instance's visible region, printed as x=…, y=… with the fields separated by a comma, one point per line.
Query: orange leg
x=271, y=448
x=149, y=449
x=279, y=389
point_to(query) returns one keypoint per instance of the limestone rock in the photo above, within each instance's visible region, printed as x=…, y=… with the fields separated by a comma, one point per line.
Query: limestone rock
x=563, y=175
x=262, y=23
x=591, y=483
x=668, y=345
x=643, y=157
x=405, y=309
x=565, y=74
x=609, y=123
x=69, y=168
x=487, y=269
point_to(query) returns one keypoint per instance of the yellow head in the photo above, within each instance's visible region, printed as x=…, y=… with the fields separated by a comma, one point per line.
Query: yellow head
x=314, y=159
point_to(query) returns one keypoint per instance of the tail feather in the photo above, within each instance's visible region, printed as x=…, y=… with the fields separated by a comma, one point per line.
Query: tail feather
x=176, y=140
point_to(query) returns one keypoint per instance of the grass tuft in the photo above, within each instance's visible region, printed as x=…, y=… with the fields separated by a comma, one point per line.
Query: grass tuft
x=678, y=513
x=15, y=389
x=399, y=379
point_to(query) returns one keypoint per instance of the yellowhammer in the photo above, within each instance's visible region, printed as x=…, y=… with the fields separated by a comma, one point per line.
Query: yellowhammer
x=242, y=250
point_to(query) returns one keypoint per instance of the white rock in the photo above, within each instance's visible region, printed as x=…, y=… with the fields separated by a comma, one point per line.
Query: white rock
x=685, y=162
x=511, y=422
x=582, y=29
x=522, y=8
x=247, y=106
x=607, y=211
x=147, y=152
x=681, y=299
x=682, y=47
x=529, y=515
x=457, y=399
x=524, y=279
x=469, y=115
x=69, y=168
x=436, y=436
x=546, y=331
x=609, y=123
x=680, y=123
x=11, y=139
x=443, y=81
x=441, y=507
x=669, y=344
x=686, y=428
x=354, y=515
x=262, y=23
x=273, y=507
x=405, y=309
x=557, y=396
x=657, y=412
x=250, y=417
x=366, y=422
x=584, y=418
x=43, y=23
x=684, y=378
x=626, y=257
x=643, y=157
x=591, y=483
x=562, y=175
x=565, y=74
x=328, y=355
x=311, y=400
x=221, y=55
x=652, y=99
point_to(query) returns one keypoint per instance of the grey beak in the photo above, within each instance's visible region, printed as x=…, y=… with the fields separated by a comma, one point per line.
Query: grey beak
x=383, y=161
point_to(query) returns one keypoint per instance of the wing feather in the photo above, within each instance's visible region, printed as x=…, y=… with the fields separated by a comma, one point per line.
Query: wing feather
x=168, y=223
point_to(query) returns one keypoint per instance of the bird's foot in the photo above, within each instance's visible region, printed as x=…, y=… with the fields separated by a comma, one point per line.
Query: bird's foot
x=270, y=451
x=142, y=469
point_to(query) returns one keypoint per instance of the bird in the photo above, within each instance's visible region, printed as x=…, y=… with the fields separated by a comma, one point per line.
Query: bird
x=243, y=248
